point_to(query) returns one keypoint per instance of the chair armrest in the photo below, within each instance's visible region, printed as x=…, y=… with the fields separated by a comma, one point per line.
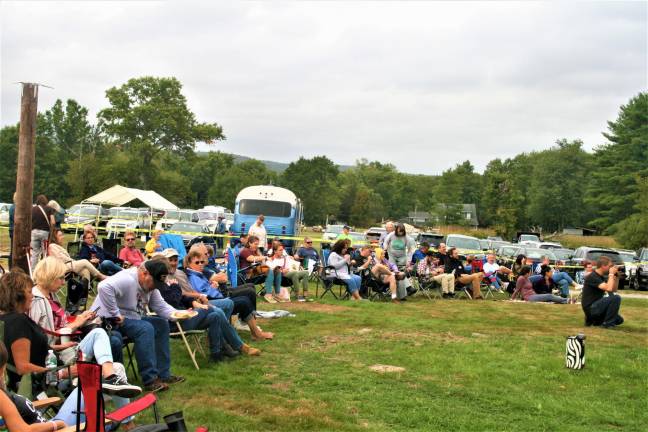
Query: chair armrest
x=40, y=404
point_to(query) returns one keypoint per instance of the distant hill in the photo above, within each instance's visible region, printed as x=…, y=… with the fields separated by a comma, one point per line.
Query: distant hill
x=278, y=167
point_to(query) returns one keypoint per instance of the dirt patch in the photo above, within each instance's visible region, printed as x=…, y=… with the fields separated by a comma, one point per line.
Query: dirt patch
x=315, y=307
x=387, y=368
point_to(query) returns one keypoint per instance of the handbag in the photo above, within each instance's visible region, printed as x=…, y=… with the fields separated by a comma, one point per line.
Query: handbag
x=259, y=270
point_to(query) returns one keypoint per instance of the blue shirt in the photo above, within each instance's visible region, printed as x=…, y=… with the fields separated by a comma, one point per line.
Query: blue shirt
x=418, y=256
x=200, y=283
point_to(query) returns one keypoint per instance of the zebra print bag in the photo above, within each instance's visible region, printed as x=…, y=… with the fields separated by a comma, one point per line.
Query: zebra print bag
x=575, y=352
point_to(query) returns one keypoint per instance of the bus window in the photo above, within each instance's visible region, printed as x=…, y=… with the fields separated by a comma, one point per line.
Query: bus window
x=266, y=208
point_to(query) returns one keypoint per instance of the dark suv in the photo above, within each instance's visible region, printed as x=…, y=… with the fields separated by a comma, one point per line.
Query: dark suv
x=592, y=254
x=640, y=278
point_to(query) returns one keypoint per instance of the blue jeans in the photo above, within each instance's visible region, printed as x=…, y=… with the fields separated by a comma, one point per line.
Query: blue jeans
x=224, y=304
x=109, y=268
x=606, y=309
x=218, y=327
x=563, y=280
x=151, y=343
x=547, y=298
x=96, y=345
x=353, y=284
x=273, y=279
x=67, y=412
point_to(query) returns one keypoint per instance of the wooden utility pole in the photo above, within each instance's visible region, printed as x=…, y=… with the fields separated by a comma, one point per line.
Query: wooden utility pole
x=25, y=176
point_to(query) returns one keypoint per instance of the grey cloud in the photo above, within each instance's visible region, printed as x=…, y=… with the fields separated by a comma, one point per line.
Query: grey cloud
x=423, y=85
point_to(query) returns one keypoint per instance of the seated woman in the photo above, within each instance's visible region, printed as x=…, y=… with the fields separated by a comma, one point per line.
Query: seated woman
x=290, y=269
x=525, y=289
x=82, y=267
x=130, y=255
x=252, y=255
x=50, y=316
x=208, y=318
x=18, y=412
x=194, y=263
x=388, y=272
x=153, y=245
x=106, y=262
x=340, y=260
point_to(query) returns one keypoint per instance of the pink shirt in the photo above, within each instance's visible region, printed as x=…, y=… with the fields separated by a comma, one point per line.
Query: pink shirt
x=133, y=256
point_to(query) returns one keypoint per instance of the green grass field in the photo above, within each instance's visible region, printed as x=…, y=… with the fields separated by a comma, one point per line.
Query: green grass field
x=477, y=366
x=491, y=365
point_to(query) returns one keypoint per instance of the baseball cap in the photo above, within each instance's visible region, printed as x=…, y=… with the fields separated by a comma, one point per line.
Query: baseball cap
x=158, y=270
x=170, y=252
x=347, y=227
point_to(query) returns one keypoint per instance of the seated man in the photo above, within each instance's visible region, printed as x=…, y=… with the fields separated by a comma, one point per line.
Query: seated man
x=307, y=251
x=430, y=269
x=130, y=255
x=456, y=266
x=122, y=300
x=362, y=259
x=600, y=310
x=107, y=263
x=492, y=270
x=420, y=254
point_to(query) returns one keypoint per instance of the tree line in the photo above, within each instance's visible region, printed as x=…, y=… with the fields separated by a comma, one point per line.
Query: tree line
x=146, y=138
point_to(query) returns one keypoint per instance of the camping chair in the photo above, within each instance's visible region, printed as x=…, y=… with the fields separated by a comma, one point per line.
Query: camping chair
x=375, y=289
x=73, y=248
x=174, y=241
x=429, y=287
x=196, y=336
x=462, y=289
x=237, y=276
x=112, y=246
x=95, y=416
x=327, y=275
x=126, y=342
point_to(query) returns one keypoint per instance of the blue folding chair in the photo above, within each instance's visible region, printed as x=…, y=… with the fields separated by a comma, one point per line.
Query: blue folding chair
x=327, y=275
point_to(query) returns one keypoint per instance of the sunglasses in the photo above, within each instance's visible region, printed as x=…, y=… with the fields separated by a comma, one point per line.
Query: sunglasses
x=199, y=262
x=130, y=239
x=309, y=242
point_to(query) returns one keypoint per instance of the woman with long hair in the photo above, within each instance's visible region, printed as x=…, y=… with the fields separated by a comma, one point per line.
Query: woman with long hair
x=82, y=267
x=340, y=260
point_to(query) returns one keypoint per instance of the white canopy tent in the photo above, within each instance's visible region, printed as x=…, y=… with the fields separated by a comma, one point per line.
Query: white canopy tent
x=120, y=195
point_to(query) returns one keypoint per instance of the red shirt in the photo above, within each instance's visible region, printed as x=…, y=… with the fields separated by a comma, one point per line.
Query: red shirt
x=133, y=256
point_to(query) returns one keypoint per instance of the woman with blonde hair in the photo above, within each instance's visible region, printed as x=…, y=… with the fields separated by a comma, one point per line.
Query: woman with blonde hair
x=82, y=267
x=50, y=316
x=154, y=245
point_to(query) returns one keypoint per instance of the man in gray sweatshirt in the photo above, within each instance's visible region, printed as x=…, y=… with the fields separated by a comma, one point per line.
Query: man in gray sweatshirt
x=123, y=300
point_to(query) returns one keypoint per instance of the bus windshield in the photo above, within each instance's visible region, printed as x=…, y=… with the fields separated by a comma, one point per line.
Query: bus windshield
x=266, y=208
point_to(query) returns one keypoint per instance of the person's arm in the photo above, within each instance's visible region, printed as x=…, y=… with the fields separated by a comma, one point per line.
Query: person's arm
x=108, y=299
x=159, y=306
x=612, y=283
x=20, y=350
x=15, y=423
x=336, y=261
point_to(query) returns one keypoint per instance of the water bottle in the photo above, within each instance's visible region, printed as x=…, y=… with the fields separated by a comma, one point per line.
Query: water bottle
x=50, y=363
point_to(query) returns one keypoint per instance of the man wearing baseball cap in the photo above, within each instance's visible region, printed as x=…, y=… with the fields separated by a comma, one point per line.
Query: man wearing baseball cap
x=123, y=302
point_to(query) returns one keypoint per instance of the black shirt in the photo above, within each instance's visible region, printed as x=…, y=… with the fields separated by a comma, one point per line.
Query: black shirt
x=29, y=414
x=454, y=264
x=20, y=326
x=541, y=286
x=39, y=221
x=444, y=259
x=591, y=290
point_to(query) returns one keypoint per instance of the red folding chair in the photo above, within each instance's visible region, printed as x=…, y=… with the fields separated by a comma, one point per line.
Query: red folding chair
x=90, y=388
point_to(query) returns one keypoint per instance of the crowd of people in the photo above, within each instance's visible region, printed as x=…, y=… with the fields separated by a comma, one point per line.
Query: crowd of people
x=141, y=297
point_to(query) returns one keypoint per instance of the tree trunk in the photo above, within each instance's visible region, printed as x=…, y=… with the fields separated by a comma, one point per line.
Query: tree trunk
x=25, y=176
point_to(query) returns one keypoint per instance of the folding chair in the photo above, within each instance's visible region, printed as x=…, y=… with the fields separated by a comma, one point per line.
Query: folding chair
x=429, y=287
x=73, y=248
x=462, y=289
x=196, y=336
x=236, y=276
x=376, y=289
x=95, y=416
x=327, y=276
x=126, y=341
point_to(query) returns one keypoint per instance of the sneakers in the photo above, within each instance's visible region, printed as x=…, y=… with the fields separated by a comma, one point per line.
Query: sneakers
x=173, y=379
x=118, y=386
x=240, y=325
x=301, y=298
x=156, y=386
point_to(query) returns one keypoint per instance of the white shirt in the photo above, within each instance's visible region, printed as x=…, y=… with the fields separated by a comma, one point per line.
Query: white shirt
x=260, y=232
x=491, y=268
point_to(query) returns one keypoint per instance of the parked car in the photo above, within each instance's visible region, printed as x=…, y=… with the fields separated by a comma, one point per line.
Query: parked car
x=433, y=239
x=496, y=244
x=373, y=234
x=331, y=232
x=128, y=219
x=528, y=238
x=536, y=254
x=4, y=213
x=466, y=245
x=495, y=238
x=484, y=244
x=357, y=239
x=592, y=254
x=80, y=214
x=173, y=216
x=639, y=278
x=190, y=230
x=550, y=245
x=208, y=216
x=563, y=254
x=507, y=254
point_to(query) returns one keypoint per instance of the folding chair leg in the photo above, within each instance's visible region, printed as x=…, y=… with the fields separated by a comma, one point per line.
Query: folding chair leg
x=192, y=353
x=130, y=362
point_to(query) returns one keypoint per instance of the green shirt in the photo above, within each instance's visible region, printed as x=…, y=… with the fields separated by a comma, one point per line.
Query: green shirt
x=344, y=237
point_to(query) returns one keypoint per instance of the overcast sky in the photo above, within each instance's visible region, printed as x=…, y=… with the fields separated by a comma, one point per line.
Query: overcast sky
x=423, y=85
